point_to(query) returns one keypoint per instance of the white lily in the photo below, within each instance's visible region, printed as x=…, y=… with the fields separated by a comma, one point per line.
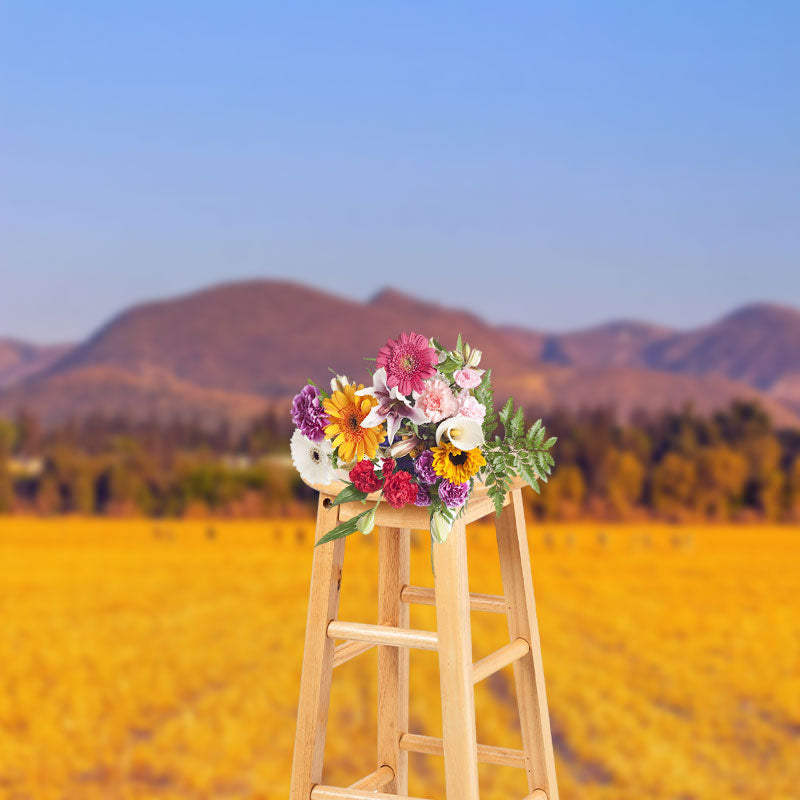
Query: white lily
x=392, y=407
x=461, y=431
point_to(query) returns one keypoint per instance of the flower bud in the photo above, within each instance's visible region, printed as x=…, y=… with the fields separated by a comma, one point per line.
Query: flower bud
x=366, y=522
x=404, y=447
x=474, y=358
x=338, y=383
x=440, y=527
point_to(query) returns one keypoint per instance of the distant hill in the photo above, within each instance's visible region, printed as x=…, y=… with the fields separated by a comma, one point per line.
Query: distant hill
x=230, y=351
x=615, y=344
x=21, y=360
x=759, y=345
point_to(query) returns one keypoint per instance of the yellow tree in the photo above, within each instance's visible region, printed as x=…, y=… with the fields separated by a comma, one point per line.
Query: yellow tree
x=624, y=482
x=674, y=479
x=721, y=479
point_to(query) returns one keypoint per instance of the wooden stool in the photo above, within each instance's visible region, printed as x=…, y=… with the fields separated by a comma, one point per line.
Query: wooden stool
x=453, y=641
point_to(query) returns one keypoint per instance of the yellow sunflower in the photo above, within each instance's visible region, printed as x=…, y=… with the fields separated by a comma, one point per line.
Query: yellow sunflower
x=346, y=412
x=457, y=466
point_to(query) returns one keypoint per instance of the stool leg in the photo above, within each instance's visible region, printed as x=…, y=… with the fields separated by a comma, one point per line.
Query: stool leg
x=315, y=684
x=515, y=566
x=394, y=545
x=451, y=587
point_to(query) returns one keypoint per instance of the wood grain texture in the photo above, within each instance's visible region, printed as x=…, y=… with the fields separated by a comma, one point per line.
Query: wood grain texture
x=487, y=754
x=334, y=793
x=315, y=683
x=344, y=652
x=477, y=602
x=515, y=568
x=494, y=662
x=451, y=587
x=380, y=779
x=382, y=634
x=394, y=568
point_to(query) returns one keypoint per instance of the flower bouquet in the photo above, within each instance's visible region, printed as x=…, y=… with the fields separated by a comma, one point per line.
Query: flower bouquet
x=422, y=433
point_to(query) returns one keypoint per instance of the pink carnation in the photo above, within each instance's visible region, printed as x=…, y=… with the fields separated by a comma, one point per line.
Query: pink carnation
x=437, y=400
x=468, y=378
x=468, y=406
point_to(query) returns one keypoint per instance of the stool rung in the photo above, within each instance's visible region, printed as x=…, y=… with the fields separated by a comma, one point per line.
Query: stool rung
x=375, y=780
x=478, y=602
x=383, y=634
x=503, y=756
x=344, y=652
x=494, y=662
x=537, y=794
x=320, y=792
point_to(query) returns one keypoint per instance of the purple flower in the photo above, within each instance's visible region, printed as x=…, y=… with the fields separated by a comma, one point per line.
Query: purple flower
x=423, y=497
x=453, y=495
x=308, y=414
x=423, y=466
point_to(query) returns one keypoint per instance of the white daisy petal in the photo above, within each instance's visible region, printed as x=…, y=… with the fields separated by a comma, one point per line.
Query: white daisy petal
x=312, y=459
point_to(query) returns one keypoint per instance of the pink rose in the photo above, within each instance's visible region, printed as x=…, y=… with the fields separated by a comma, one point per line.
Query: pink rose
x=468, y=378
x=469, y=407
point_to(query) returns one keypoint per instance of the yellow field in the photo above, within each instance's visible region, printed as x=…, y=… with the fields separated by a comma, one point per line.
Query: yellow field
x=161, y=660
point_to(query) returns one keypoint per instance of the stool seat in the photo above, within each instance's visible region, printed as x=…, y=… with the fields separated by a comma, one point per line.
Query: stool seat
x=452, y=642
x=413, y=517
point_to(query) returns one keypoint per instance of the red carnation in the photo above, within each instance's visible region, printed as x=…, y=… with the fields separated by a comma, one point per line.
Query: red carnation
x=388, y=467
x=399, y=491
x=364, y=478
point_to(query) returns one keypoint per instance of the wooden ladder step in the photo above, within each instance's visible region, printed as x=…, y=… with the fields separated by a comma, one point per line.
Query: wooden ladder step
x=494, y=662
x=344, y=652
x=383, y=634
x=375, y=780
x=503, y=756
x=320, y=792
x=422, y=596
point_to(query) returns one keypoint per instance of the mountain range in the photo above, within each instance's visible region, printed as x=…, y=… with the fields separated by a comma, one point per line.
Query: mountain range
x=230, y=351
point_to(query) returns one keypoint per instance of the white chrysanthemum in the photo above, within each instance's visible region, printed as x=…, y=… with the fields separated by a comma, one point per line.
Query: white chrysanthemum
x=312, y=459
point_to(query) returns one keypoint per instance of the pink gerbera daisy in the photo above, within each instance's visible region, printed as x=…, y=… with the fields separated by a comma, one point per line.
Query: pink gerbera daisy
x=408, y=360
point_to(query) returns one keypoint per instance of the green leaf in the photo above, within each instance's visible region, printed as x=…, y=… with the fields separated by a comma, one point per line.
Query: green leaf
x=518, y=423
x=506, y=411
x=459, y=344
x=344, y=529
x=322, y=393
x=348, y=495
x=533, y=431
x=485, y=396
x=550, y=442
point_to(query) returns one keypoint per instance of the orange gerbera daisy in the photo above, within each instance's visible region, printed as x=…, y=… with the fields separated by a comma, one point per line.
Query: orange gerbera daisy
x=346, y=412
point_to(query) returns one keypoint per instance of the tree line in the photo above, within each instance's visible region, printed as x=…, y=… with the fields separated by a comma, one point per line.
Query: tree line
x=731, y=465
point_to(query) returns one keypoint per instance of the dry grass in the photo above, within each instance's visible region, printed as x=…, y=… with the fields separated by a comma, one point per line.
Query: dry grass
x=161, y=660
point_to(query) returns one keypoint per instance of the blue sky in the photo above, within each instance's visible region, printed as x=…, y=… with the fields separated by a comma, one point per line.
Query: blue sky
x=554, y=164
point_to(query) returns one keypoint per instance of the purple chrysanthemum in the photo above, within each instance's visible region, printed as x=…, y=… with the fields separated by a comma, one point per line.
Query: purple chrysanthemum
x=308, y=414
x=423, y=497
x=453, y=495
x=423, y=466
